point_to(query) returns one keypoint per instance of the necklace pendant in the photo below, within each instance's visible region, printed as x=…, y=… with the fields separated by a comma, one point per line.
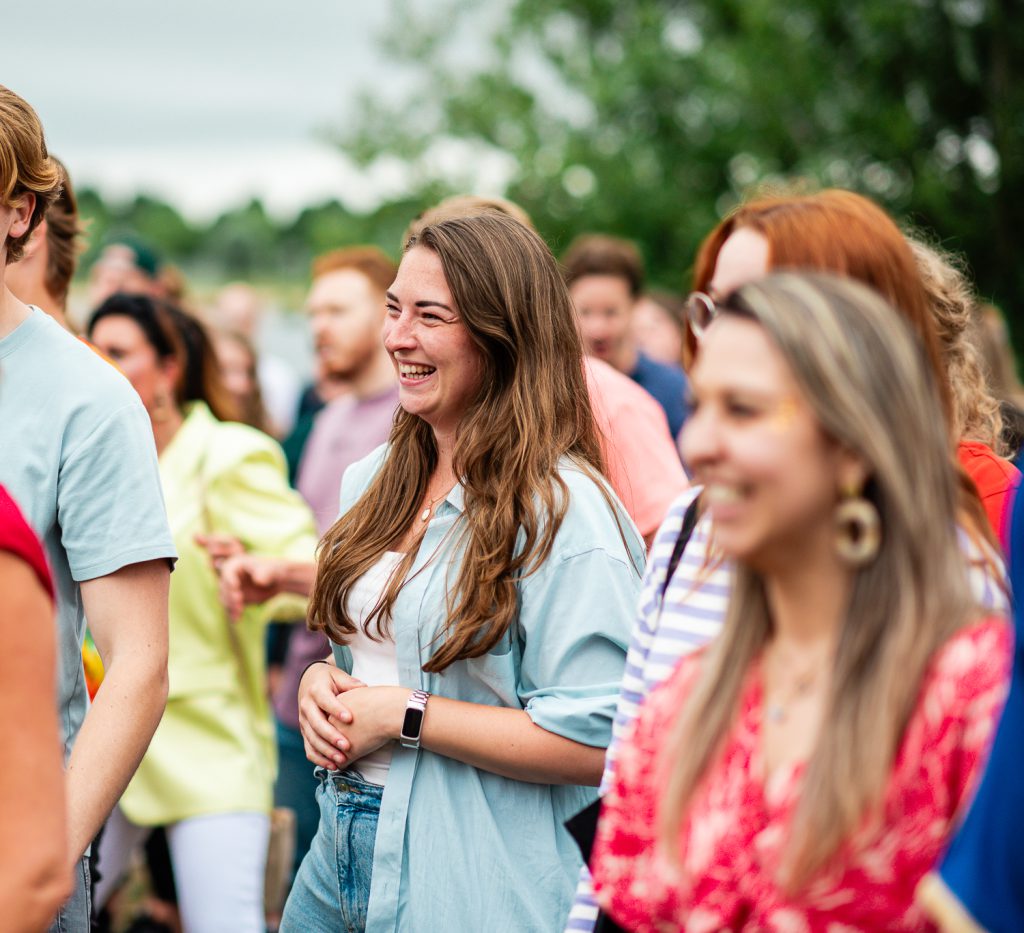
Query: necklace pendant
x=425, y=514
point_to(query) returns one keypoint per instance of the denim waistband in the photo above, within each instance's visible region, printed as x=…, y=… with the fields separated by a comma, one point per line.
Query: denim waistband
x=352, y=785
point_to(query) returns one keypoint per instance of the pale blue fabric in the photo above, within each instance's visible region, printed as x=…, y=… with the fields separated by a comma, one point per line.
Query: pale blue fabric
x=77, y=454
x=462, y=849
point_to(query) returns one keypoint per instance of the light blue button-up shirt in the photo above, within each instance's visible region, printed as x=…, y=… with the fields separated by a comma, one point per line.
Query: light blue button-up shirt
x=460, y=850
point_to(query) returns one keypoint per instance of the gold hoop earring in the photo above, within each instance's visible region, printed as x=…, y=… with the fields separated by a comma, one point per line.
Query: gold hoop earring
x=858, y=530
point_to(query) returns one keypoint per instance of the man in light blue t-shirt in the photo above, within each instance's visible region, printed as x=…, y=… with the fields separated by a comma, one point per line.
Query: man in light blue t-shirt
x=77, y=454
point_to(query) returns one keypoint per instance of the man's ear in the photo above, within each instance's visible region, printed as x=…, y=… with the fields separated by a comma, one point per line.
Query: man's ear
x=35, y=242
x=23, y=207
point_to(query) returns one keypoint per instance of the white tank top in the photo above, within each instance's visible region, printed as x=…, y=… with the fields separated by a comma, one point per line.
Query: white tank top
x=374, y=662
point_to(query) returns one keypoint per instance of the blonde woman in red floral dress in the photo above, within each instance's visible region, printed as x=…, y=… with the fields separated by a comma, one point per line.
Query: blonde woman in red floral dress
x=803, y=772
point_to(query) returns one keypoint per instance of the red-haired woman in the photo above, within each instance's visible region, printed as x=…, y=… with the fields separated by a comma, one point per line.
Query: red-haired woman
x=842, y=232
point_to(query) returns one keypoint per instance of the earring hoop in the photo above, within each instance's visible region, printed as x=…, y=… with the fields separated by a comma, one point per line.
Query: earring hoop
x=858, y=530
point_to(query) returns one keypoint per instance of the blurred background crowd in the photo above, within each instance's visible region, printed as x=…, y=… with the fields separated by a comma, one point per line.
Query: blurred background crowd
x=624, y=133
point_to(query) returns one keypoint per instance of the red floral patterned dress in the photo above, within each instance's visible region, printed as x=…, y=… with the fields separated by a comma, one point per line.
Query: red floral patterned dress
x=733, y=839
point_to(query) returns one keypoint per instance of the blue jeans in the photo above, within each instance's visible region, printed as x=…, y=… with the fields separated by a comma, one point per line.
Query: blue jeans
x=74, y=915
x=332, y=888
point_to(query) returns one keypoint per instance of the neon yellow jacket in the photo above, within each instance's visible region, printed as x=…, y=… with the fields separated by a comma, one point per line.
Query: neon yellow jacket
x=214, y=749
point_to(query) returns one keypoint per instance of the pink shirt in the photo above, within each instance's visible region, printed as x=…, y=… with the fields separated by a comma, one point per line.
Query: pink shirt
x=732, y=840
x=642, y=462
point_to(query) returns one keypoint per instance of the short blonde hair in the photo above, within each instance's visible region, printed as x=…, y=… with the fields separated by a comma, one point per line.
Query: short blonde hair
x=464, y=205
x=25, y=165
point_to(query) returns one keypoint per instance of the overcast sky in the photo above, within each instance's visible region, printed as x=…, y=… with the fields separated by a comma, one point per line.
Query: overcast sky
x=204, y=102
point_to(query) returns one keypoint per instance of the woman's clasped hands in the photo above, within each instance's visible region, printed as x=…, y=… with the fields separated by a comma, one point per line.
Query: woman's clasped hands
x=341, y=719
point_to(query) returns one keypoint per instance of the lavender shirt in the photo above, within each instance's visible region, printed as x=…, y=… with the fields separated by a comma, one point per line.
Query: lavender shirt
x=344, y=431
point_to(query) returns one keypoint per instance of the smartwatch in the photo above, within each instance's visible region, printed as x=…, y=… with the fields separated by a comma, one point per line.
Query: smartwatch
x=412, y=725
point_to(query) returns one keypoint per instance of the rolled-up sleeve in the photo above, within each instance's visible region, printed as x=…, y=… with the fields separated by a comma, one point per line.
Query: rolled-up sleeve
x=574, y=628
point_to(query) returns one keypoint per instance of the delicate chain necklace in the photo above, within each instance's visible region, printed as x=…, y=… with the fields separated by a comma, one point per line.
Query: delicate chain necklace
x=778, y=709
x=425, y=514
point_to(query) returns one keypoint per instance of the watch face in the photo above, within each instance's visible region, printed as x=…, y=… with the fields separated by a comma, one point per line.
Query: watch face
x=412, y=724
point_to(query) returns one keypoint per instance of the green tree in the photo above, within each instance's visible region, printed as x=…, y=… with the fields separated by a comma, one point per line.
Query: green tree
x=650, y=118
x=243, y=244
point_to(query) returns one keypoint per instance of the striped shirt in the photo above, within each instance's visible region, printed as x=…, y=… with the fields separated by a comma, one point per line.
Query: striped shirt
x=691, y=614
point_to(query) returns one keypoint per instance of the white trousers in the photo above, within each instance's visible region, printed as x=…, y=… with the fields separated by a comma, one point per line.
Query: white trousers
x=218, y=860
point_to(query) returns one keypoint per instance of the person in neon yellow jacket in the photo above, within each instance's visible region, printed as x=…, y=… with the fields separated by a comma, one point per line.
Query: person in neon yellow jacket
x=208, y=774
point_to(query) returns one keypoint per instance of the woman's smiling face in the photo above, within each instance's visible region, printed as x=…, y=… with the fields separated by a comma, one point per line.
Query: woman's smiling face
x=439, y=366
x=770, y=475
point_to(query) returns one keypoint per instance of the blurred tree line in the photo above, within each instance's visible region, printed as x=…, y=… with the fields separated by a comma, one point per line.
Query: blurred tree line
x=246, y=243
x=652, y=118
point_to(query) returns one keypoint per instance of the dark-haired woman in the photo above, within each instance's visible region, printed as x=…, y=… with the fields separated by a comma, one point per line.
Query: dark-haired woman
x=208, y=774
x=478, y=589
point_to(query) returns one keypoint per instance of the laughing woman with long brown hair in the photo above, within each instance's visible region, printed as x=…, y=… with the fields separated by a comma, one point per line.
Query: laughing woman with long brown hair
x=478, y=589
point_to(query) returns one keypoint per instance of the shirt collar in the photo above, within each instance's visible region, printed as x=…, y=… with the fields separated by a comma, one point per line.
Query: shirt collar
x=457, y=497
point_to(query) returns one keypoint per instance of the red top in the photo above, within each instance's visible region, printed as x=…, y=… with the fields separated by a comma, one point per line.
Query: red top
x=995, y=479
x=732, y=839
x=20, y=540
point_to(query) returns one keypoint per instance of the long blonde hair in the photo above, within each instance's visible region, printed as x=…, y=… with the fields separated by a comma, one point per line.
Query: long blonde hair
x=532, y=410
x=874, y=392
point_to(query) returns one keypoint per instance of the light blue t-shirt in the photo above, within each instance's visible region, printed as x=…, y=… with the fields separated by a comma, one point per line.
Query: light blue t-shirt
x=77, y=455
x=459, y=848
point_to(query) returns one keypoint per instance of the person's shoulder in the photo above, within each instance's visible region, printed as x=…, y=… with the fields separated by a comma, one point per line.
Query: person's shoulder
x=86, y=395
x=663, y=703
x=979, y=644
x=360, y=474
x=663, y=373
x=984, y=465
x=335, y=413
x=232, y=442
x=587, y=489
x=13, y=525
x=670, y=527
x=621, y=396
x=18, y=538
x=594, y=516
x=77, y=367
x=61, y=347
x=972, y=663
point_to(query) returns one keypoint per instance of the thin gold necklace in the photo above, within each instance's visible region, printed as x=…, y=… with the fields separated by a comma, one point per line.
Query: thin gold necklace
x=425, y=514
x=777, y=710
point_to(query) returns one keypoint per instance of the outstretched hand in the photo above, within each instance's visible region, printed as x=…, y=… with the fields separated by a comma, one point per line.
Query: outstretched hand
x=247, y=580
x=220, y=547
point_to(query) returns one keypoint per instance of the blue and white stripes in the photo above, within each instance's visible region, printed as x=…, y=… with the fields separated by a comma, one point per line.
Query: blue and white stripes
x=690, y=616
